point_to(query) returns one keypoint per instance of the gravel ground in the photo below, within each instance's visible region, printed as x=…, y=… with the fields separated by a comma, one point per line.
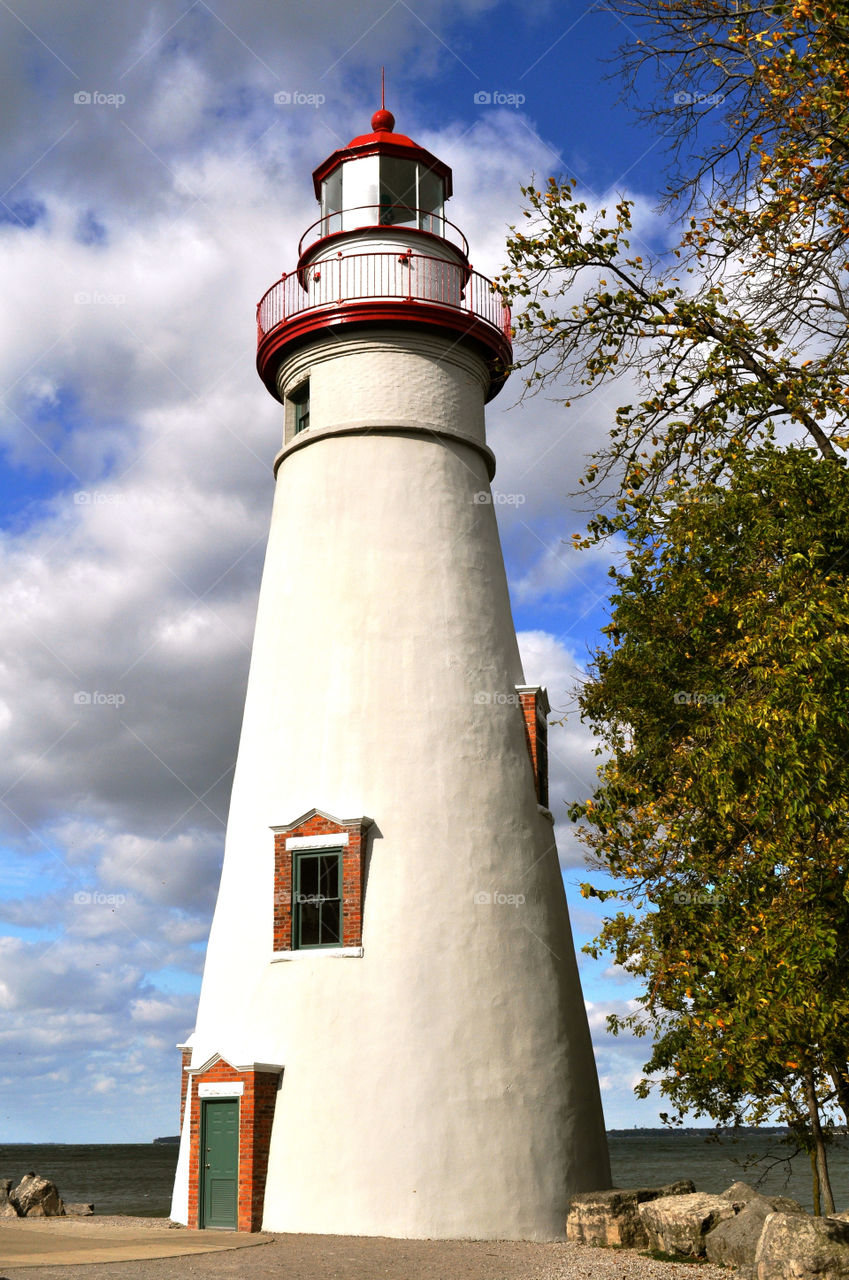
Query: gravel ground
x=296, y=1257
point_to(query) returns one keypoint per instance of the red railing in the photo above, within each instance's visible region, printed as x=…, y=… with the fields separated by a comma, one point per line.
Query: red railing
x=361, y=277
x=401, y=217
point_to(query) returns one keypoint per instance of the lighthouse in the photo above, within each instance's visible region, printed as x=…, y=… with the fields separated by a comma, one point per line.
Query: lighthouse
x=391, y=1038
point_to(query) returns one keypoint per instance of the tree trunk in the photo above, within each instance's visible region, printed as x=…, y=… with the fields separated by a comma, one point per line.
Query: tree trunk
x=815, y=1182
x=819, y=1143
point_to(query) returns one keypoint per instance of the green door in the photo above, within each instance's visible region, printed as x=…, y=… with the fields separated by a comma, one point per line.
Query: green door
x=219, y=1162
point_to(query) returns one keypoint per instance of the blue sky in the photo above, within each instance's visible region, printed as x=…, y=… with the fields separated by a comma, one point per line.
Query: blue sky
x=151, y=190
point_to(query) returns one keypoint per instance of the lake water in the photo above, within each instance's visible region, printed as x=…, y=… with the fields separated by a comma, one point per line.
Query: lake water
x=137, y=1179
x=647, y=1157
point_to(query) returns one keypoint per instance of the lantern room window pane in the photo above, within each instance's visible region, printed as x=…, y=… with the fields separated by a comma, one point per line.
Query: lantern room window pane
x=360, y=192
x=431, y=198
x=398, y=191
x=331, y=203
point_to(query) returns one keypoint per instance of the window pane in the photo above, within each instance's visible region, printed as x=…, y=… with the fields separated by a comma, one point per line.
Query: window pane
x=300, y=398
x=430, y=201
x=330, y=914
x=331, y=202
x=329, y=883
x=360, y=192
x=308, y=884
x=397, y=190
x=318, y=899
x=310, y=917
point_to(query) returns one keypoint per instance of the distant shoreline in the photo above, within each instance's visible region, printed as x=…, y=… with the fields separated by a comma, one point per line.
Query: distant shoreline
x=669, y=1131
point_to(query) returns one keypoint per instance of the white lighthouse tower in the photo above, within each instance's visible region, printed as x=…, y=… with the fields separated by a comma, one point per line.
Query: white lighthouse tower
x=391, y=1038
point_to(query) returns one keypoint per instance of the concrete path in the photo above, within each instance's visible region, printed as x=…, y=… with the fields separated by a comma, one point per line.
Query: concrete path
x=146, y=1249
x=66, y=1242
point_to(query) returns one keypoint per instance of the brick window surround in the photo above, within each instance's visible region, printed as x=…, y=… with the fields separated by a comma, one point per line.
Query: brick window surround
x=258, y=1082
x=317, y=831
x=535, y=709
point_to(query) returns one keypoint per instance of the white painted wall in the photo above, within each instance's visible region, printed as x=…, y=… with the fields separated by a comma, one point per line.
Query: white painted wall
x=442, y=1084
x=377, y=239
x=377, y=380
x=381, y=262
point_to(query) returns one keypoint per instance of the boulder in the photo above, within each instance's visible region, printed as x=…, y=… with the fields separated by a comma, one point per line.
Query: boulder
x=79, y=1210
x=611, y=1217
x=679, y=1224
x=5, y=1188
x=797, y=1247
x=36, y=1197
x=734, y=1242
x=740, y=1194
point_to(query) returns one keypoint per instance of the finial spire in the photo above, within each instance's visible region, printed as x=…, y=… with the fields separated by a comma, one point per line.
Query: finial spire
x=383, y=121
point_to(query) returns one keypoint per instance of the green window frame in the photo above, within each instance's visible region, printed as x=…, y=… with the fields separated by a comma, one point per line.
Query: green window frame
x=301, y=400
x=317, y=906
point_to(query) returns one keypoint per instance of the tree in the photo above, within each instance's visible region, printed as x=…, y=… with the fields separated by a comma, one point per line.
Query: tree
x=723, y=699
x=741, y=331
x=722, y=809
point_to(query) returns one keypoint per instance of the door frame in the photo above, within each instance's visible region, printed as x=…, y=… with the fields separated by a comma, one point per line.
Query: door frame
x=234, y=1097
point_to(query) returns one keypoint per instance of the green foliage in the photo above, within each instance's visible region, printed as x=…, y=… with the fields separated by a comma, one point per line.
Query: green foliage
x=723, y=699
x=722, y=696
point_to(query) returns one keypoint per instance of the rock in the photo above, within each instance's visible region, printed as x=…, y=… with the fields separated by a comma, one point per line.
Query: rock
x=611, y=1217
x=36, y=1197
x=79, y=1210
x=740, y=1194
x=5, y=1188
x=734, y=1242
x=679, y=1224
x=683, y=1187
x=796, y=1247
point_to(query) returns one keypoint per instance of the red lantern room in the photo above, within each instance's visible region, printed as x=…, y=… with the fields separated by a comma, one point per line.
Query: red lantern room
x=383, y=252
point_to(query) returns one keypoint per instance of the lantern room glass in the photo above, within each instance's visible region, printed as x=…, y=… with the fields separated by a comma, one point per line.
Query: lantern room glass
x=331, y=203
x=382, y=191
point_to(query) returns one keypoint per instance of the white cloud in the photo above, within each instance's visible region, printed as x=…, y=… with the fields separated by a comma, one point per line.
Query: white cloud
x=549, y=661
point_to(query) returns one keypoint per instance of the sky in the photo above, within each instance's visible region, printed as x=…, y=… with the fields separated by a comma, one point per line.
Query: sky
x=154, y=181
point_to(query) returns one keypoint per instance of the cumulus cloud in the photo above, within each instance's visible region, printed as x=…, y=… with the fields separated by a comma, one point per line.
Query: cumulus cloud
x=550, y=661
x=620, y=1060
